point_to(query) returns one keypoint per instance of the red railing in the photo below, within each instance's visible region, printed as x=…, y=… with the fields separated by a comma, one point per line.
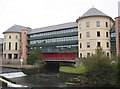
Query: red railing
x=59, y=56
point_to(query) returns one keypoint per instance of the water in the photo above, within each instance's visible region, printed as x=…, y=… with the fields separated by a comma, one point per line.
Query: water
x=38, y=80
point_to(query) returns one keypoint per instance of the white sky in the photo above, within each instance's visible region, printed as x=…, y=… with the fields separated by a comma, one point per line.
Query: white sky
x=41, y=13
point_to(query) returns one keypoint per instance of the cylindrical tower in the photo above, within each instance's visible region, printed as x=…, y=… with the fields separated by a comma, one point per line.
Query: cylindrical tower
x=11, y=45
x=94, y=31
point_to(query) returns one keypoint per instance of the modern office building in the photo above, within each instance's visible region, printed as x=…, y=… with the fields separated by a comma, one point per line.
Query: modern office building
x=58, y=42
x=15, y=42
x=94, y=31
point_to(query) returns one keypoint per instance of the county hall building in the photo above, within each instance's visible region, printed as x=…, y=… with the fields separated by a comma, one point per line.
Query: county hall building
x=66, y=41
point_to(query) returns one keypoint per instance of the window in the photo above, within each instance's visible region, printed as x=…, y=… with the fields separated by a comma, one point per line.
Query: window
x=108, y=54
x=106, y=24
x=106, y=34
x=16, y=37
x=113, y=34
x=80, y=55
x=97, y=23
x=98, y=33
x=15, y=56
x=9, y=45
x=80, y=45
x=79, y=26
x=107, y=44
x=87, y=24
x=4, y=46
x=80, y=35
x=98, y=44
x=15, y=45
x=87, y=34
x=88, y=44
x=88, y=54
x=9, y=36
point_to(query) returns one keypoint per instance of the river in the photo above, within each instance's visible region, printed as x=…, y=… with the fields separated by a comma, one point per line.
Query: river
x=38, y=80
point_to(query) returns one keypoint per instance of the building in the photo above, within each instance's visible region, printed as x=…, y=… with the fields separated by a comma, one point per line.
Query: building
x=1, y=48
x=63, y=42
x=117, y=32
x=115, y=35
x=94, y=31
x=15, y=42
x=58, y=42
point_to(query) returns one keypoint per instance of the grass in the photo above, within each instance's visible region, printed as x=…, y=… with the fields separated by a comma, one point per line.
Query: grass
x=68, y=69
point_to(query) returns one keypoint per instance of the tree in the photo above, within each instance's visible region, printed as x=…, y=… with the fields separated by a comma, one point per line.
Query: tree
x=100, y=69
x=35, y=57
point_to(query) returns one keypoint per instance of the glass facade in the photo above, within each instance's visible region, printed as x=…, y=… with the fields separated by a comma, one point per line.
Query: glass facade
x=54, y=40
x=64, y=31
x=63, y=44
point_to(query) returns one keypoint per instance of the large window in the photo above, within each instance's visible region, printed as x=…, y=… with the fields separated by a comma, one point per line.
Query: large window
x=87, y=34
x=9, y=45
x=97, y=23
x=16, y=46
x=98, y=44
x=87, y=24
x=80, y=35
x=80, y=45
x=98, y=33
x=55, y=40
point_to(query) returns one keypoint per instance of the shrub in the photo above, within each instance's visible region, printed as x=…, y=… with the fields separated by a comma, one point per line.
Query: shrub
x=100, y=69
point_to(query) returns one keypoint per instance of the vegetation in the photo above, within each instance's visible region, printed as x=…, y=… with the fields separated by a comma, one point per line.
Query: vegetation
x=68, y=69
x=100, y=69
x=97, y=70
x=35, y=57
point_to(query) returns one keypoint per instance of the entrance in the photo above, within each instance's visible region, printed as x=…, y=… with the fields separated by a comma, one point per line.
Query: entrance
x=9, y=56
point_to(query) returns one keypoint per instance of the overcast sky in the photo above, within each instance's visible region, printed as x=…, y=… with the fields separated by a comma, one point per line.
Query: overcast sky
x=41, y=13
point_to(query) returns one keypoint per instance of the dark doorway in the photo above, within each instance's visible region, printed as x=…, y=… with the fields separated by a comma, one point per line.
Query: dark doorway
x=9, y=56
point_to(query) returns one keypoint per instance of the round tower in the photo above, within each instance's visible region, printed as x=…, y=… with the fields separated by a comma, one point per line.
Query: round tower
x=94, y=31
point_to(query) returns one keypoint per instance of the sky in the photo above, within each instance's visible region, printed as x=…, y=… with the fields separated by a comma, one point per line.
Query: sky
x=41, y=13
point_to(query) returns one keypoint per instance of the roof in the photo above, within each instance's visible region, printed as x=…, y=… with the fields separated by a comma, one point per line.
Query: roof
x=93, y=12
x=54, y=27
x=15, y=28
x=1, y=40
